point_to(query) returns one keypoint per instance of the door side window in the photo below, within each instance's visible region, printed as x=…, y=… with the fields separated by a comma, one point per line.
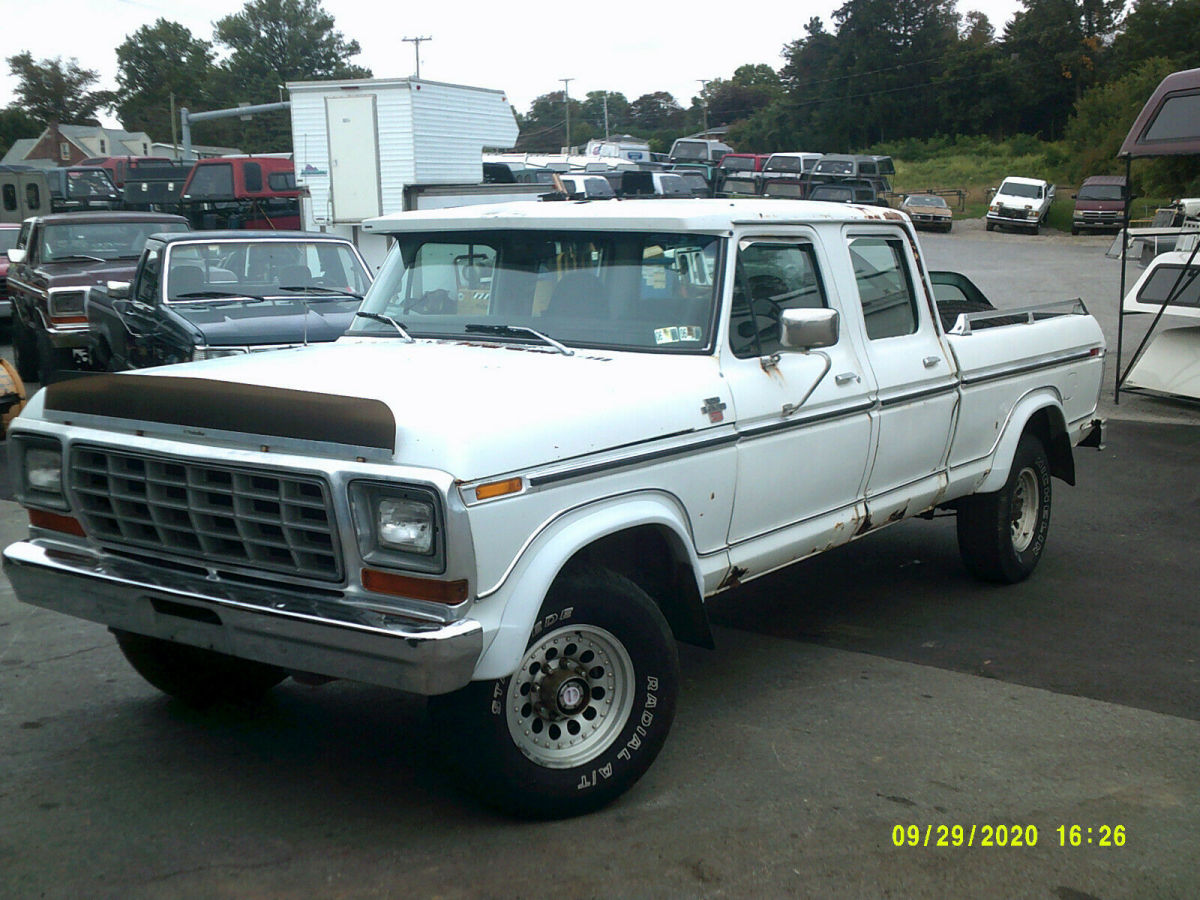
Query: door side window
x=33, y=196
x=147, y=278
x=885, y=286
x=770, y=276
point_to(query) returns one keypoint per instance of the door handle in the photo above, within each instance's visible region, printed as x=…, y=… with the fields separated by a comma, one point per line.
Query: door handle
x=846, y=378
x=930, y=361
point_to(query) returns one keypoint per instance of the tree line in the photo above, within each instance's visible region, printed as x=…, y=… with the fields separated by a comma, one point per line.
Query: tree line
x=260, y=48
x=886, y=72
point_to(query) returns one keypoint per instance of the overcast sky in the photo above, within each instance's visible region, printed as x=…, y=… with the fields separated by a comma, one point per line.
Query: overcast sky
x=521, y=48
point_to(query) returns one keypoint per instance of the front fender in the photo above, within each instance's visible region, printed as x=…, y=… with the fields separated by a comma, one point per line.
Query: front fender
x=510, y=612
x=1045, y=399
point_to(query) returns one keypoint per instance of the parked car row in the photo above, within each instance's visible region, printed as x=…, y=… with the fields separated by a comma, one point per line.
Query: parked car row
x=223, y=192
x=110, y=291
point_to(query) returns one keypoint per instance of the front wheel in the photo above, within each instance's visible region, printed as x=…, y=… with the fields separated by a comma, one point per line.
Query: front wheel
x=1001, y=535
x=194, y=675
x=25, y=353
x=586, y=711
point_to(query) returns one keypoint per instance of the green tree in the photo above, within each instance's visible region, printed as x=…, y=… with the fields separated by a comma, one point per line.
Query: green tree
x=1054, y=51
x=1158, y=28
x=155, y=62
x=656, y=111
x=51, y=91
x=270, y=43
x=592, y=111
x=543, y=129
x=16, y=124
x=751, y=89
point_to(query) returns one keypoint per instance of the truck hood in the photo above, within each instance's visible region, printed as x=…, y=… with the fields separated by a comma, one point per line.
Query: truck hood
x=480, y=409
x=286, y=321
x=81, y=273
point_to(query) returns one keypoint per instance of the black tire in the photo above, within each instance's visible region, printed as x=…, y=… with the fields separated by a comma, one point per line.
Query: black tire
x=991, y=226
x=47, y=359
x=25, y=353
x=554, y=742
x=1036, y=228
x=196, y=676
x=1074, y=229
x=1001, y=535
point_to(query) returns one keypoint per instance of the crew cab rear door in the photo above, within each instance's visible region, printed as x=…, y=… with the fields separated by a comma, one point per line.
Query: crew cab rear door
x=915, y=377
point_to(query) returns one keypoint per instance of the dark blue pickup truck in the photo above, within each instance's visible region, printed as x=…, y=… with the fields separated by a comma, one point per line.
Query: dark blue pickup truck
x=217, y=293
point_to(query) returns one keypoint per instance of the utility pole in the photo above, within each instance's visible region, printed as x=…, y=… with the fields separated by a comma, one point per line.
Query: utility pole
x=567, y=103
x=606, y=115
x=704, y=100
x=416, y=42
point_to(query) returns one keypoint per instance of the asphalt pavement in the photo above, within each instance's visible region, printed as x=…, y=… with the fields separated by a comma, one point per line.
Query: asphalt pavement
x=860, y=708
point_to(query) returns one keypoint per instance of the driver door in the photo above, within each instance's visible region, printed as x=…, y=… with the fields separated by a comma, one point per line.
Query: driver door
x=803, y=417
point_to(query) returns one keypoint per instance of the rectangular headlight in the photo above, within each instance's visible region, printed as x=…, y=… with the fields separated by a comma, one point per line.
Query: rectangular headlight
x=405, y=525
x=65, y=303
x=398, y=526
x=43, y=469
x=40, y=472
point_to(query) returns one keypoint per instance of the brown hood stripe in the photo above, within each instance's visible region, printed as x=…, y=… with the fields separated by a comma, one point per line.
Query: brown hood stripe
x=226, y=406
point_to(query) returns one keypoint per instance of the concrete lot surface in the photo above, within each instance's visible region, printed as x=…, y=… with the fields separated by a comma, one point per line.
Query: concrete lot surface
x=872, y=689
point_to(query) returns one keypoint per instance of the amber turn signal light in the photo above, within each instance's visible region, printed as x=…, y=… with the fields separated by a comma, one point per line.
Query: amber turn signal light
x=498, y=488
x=40, y=518
x=450, y=593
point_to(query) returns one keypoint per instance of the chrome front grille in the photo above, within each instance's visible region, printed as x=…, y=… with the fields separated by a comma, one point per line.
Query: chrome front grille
x=221, y=515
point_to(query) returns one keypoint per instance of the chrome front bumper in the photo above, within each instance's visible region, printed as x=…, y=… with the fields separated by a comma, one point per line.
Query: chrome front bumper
x=298, y=633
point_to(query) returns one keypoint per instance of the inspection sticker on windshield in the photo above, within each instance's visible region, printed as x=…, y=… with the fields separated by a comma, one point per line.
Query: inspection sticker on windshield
x=675, y=334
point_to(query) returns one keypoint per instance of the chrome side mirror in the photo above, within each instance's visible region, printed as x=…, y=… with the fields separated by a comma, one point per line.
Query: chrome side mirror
x=118, y=290
x=808, y=329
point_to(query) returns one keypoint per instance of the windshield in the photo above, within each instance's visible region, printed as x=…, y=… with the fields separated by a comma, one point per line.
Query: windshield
x=219, y=270
x=95, y=183
x=834, y=167
x=616, y=290
x=784, y=164
x=101, y=240
x=690, y=150
x=1100, y=192
x=1016, y=189
x=740, y=163
x=925, y=201
x=832, y=194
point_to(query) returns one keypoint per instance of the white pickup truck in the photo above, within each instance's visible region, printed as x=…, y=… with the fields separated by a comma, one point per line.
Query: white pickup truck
x=1020, y=203
x=554, y=430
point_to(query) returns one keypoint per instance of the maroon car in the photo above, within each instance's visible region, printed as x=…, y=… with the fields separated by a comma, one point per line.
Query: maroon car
x=8, y=240
x=57, y=258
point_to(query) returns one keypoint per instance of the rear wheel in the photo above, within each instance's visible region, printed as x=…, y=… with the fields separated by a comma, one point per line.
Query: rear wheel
x=586, y=711
x=1001, y=535
x=196, y=676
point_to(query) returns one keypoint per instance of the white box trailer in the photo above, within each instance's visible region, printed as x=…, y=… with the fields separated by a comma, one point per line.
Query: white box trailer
x=368, y=147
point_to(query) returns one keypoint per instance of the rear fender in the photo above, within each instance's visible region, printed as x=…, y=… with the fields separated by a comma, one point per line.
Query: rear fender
x=512, y=610
x=1039, y=411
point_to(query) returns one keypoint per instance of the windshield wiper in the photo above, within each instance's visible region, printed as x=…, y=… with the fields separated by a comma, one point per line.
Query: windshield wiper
x=513, y=330
x=387, y=320
x=200, y=296
x=87, y=256
x=318, y=289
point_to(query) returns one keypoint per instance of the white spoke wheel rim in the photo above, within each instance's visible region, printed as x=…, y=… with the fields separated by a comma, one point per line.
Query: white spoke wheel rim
x=1025, y=501
x=570, y=697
